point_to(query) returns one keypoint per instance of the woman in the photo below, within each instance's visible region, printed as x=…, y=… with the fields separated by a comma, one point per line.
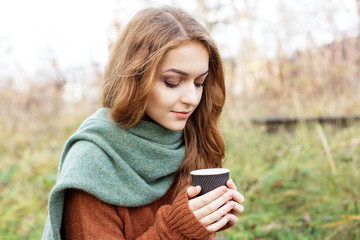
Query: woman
x=125, y=173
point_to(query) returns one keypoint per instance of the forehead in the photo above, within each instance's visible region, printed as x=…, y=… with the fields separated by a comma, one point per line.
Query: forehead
x=191, y=57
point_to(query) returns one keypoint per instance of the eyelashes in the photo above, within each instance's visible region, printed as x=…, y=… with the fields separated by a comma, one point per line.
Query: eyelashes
x=172, y=85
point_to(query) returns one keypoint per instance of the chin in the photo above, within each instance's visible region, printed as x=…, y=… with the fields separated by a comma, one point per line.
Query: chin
x=175, y=126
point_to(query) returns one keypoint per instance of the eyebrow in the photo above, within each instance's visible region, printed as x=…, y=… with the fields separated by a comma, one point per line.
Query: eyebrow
x=184, y=73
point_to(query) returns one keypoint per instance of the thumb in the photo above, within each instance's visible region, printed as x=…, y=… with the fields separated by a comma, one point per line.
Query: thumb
x=193, y=191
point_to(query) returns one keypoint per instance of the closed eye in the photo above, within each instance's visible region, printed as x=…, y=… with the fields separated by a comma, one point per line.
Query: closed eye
x=200, y=81
x=171, y=85
x=200, y=84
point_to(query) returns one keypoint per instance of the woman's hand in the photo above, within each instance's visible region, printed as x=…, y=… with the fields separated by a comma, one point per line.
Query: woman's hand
x=237, y=197
x=217, y=208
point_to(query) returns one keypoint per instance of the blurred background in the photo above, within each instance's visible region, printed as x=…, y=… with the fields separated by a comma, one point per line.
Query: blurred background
x=290, y=122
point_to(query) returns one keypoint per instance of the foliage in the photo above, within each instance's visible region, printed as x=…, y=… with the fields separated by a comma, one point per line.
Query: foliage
x=30, y=146
x=290, y=190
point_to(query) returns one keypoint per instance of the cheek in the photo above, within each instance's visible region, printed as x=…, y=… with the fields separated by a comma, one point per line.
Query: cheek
x=199, y=94
x=159, y=98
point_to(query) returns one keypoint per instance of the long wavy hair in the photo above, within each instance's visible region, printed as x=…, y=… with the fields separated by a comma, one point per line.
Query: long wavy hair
x=133, y=69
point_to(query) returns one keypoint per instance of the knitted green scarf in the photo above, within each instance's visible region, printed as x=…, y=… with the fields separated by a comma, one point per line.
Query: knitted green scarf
x=130, y=168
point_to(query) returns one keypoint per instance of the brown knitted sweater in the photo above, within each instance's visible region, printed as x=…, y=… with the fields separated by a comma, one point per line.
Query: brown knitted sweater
x=87, y=217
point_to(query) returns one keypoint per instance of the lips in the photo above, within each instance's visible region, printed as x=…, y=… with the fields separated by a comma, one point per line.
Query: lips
x=182, y=115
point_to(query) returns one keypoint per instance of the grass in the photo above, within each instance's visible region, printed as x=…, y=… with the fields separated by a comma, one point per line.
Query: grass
x=30, y=147
x=290, y=190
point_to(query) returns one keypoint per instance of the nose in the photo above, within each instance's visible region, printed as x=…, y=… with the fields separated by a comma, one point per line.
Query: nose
x=191, y=95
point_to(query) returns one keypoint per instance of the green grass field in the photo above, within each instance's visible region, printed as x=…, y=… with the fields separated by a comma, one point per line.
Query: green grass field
x=298, y=184
x=291, y=190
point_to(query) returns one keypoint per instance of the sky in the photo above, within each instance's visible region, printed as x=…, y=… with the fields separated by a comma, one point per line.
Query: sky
x=74, y=32
x=77, y=32
x=71, y=31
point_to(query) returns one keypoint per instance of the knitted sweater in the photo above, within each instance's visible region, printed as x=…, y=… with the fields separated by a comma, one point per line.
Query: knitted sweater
x=86, y=217
x=129, y=168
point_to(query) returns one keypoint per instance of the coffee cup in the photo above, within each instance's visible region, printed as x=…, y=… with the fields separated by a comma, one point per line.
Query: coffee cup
x=210, y=178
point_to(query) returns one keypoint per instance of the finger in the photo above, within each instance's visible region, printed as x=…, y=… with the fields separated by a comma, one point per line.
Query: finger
x=238, y=209
x=193, y=191
x=219, y=224
x=207, y=198
x=237, y=196
x=215, y=216
x=213, y=206
x=230, y=184
x=232, y=219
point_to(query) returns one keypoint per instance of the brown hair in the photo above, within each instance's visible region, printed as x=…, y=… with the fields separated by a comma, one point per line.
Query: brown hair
x=133, y=69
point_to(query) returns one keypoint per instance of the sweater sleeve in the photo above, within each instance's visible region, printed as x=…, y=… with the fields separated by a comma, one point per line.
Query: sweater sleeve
x=177, y=221
x=87, y=217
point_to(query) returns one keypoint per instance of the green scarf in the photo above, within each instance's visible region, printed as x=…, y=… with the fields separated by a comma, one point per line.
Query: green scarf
x=132, y=167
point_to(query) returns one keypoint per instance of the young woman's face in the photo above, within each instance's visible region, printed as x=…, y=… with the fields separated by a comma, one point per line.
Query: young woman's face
x=178, y=89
